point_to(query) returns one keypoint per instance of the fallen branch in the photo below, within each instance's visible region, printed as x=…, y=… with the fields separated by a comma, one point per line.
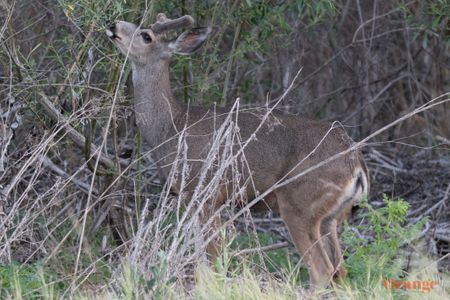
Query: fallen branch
x=52, y=166
x=77, y=137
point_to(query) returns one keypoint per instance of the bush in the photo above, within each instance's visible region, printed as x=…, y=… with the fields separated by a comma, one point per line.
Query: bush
x=373, y=246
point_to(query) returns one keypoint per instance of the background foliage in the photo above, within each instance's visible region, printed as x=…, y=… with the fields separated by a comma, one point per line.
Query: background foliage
x=364, y=63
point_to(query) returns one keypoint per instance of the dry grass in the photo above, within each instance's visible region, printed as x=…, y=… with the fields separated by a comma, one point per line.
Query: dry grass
x=103, y=226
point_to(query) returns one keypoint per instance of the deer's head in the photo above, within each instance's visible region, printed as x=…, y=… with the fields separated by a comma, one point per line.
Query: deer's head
x=148, y=45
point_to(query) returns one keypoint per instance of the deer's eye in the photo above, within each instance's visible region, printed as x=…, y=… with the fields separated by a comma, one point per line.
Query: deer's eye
x=146, y=37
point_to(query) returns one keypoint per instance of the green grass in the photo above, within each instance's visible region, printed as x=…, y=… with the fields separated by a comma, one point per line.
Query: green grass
x=30, y=281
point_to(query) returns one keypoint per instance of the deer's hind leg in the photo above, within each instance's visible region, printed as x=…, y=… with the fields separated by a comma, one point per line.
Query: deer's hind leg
x=304, y=225
x=330, y=238
x=329, y=228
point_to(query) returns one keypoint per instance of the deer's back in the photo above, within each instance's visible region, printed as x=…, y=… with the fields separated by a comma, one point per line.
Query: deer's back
x=283, y=144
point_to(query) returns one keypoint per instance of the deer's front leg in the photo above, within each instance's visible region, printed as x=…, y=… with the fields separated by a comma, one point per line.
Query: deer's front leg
x=210, y=223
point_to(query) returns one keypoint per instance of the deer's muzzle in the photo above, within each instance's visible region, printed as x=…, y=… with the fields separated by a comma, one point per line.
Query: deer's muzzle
x=111, y=31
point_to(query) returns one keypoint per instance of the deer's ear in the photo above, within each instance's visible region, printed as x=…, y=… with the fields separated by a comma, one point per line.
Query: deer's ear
x=189, y=41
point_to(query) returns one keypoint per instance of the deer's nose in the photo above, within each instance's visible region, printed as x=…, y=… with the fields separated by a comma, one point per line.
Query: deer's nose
x=112, y=27
x=111, y=31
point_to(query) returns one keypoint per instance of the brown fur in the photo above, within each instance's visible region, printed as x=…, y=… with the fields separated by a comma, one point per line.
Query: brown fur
x=312, y=206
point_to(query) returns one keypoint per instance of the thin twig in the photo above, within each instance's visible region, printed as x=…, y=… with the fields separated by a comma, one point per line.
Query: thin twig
x=276, y=246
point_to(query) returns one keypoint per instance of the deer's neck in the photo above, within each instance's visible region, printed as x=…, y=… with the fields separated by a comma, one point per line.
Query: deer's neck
x=156, y=109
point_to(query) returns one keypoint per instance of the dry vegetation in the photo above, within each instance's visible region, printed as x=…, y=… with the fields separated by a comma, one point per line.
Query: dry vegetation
x=81, y=204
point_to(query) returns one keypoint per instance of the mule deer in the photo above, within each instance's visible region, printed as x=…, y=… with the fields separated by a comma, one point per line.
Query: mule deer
x=312, y=206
